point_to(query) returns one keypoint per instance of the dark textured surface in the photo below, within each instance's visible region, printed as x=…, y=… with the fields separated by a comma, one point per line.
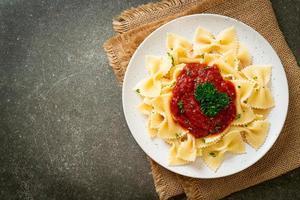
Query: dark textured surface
x=62, y=131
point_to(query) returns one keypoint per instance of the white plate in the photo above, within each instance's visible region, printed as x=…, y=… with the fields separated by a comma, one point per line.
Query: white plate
x=154, y=44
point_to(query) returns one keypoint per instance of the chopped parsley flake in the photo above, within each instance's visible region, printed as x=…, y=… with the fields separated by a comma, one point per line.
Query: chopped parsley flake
x=255, y=77
x=213, y=154
x=138, y=91
x=173, y=83
x=178, y=135
x=238, y=116
x=180, y=106
x=172, y=59
x=239, y=86
x=211, y=100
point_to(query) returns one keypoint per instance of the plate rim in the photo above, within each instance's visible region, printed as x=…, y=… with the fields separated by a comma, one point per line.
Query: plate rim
x=223, y=17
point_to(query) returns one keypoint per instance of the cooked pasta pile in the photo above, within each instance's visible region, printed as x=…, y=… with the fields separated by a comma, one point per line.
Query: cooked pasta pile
x=253, y=96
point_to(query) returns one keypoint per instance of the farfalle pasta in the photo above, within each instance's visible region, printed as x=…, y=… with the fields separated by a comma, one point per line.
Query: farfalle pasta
x=205, y=98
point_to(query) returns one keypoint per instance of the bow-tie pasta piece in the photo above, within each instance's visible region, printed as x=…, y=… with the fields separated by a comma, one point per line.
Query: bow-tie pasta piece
x=173, y=159
x=262, y=112
x=245, y=114
x=261, y=97
x=152, y=132
x=227, y=63
x=206, y=42
x=259, y=74
x=158, y=66
x=181, y=55
x=153, y=64
x=175, y=41
x=203, y=36
x=231, y=59
x=199, y=152
x=156, y=119
x=256, y=133
x=228, y=40
x=189, y=60
x=227, y=71
x=203, y=41
x=209, y=140
x=210, y=58
x=187, y=149
x=243, y=56
x=167, y=85
x=149, y=87
x=145, y=107
x=232, y=142
x=201, y=143
x=169, y=82
x=168, y=129
x=175, y=71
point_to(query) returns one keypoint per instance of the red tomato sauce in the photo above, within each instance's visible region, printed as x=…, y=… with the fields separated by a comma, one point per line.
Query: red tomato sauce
x=193, y=118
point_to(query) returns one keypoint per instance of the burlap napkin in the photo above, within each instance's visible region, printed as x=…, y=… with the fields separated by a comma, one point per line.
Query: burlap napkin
x=135, y=24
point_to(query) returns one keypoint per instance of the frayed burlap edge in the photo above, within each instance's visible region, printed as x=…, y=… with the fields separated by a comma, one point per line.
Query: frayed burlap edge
x=144, y=14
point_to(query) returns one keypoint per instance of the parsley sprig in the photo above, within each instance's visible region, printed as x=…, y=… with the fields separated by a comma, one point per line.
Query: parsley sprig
x=180, y=106
x=211, y=100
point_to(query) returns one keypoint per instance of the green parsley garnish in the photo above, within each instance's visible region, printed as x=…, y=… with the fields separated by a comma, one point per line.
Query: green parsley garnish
x=178, y=135
x=180, y=106
x=238, y=116
x=211, y=100
x=213, y=154
x=255, y=77
x=138, y=91
x=239, y=86
x=173, y=83
x=172, y=59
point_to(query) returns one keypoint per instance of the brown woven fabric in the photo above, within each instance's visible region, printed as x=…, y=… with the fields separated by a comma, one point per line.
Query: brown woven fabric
x=135, y=24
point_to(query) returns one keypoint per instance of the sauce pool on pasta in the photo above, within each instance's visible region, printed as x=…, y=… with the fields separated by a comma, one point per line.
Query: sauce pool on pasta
x=215, y=111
